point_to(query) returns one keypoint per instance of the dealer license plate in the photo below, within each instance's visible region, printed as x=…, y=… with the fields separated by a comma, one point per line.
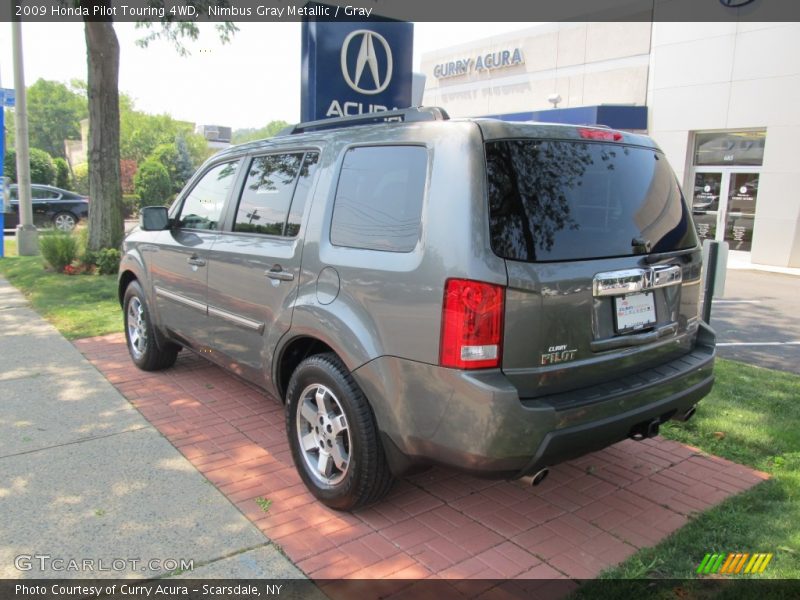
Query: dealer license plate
x=634, y=312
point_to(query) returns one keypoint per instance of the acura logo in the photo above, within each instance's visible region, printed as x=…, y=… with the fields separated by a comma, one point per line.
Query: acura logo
x=378, y=79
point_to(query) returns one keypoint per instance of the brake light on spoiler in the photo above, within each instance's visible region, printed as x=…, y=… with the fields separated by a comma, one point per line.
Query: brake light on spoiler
x=600, y=134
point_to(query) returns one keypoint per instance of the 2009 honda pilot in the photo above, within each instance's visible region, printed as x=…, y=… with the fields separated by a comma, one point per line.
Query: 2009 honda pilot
x=492, y=296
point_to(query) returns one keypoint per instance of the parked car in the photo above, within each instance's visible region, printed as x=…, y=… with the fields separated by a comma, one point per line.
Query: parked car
x=489, y=296
x=52, y=207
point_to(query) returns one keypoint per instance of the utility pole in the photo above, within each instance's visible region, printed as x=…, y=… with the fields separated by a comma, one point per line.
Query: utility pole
x=27, y=236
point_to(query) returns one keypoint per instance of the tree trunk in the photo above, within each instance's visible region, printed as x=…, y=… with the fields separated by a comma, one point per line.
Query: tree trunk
x=105, y=191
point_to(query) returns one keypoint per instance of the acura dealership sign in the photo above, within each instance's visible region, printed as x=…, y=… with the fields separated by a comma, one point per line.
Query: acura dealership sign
x=355, y=68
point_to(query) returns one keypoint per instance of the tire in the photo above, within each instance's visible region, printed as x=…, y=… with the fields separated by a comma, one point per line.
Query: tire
x=354, y=473
x=65, y=221
x=140, y=336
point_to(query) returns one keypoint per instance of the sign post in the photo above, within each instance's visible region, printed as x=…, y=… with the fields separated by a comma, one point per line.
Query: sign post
x=6, y=101
x=353, y=68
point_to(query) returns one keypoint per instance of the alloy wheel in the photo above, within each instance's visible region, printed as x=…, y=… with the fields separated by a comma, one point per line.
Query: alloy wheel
x=323, y=434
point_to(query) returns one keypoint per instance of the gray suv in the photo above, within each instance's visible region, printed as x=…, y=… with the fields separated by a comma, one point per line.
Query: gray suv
x=491, y=296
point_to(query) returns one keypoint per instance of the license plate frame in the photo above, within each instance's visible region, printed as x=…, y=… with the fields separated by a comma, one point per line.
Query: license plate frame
x=634, y=312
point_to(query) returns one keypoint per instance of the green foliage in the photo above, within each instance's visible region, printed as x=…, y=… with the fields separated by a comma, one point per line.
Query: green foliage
x=9, y=128
x=198, y=149
x=152, y=183
x=130, y=205
x=58, y=249
x=264, y=503
x=176, y=32
x=240, y=136
x=62, y=173
x=81, y=181
x=10, y=164
x=184, y=167
x=107, y=261
x=43, y=169
x=54, y=115
x=176, y=159
x=141, y=133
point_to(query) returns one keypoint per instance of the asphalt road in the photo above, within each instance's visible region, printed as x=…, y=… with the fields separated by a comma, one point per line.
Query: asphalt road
x=757, y=319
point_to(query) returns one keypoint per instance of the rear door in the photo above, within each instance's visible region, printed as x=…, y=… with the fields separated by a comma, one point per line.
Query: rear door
x=255, y=267
x=602, y=260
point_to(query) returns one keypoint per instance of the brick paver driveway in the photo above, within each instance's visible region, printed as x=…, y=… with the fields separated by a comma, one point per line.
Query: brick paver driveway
x=589, y=514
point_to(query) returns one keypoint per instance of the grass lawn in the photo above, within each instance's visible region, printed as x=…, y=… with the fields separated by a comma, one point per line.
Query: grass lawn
x=78, y=305
x=751, y=417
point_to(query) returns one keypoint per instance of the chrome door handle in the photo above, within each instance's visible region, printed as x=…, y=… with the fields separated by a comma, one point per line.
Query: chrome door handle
x=279, y=274
x=196, y=261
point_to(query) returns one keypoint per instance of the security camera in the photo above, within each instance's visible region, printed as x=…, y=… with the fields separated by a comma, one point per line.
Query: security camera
x=554, y=99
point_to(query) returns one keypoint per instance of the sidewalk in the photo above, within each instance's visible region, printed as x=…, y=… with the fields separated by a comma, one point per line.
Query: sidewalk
x=83, y=476
x=741, y=261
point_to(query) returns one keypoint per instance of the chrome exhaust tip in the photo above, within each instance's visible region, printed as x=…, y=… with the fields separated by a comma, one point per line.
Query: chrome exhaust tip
x=539, y=476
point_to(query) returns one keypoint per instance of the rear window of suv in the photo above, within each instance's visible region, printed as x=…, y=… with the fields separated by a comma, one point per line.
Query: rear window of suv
x=553, y=200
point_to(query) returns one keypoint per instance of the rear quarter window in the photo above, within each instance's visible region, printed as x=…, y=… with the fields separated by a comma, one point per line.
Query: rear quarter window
x=378, y=203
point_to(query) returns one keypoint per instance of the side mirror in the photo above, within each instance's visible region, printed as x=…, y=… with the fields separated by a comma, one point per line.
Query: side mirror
x=153, y=218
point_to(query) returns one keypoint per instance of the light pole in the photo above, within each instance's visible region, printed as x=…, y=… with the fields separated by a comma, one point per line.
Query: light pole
x=27, y=236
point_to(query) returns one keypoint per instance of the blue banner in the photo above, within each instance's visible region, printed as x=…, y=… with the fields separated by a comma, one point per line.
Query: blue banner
x=355, y=68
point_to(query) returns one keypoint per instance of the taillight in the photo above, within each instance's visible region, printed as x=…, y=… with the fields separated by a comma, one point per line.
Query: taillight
x=599, y=134
x=472, y=324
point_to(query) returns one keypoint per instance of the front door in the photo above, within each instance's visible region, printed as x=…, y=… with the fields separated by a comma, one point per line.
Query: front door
x=178, y=258
x=724, y=205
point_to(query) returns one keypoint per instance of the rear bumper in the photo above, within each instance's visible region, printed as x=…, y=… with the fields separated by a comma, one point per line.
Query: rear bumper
x=476, y=422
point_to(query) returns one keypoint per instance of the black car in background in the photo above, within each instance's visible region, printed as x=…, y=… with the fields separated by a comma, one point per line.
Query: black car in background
x=52, y=207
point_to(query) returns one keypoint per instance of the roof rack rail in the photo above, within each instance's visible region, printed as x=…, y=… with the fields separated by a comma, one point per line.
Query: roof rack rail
x=407, y=115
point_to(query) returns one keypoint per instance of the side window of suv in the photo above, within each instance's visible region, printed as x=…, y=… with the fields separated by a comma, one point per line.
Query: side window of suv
x=274, y=194
x=378, y=203
x=202, y=208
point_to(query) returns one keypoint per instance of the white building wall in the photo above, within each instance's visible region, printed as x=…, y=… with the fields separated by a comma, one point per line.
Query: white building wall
x=712, y=76
x=586, y=63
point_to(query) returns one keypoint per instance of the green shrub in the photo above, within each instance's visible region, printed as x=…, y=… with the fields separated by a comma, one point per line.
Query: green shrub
x=107, y=261
x=43, y=169
x=152, y=183
x=130, y=205
x=62, y=173
x=81, y=234
x=81, y=173
x=58, y=249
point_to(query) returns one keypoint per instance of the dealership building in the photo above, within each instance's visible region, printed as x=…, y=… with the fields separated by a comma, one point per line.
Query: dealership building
x=721, y=99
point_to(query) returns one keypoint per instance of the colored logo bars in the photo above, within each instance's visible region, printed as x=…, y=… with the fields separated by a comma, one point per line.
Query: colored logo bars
x=734, y=563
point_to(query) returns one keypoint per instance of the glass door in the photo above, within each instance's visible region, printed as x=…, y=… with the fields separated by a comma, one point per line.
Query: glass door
x=724, y=205
x=726, y=166
x=740, y=210
x=706, y=203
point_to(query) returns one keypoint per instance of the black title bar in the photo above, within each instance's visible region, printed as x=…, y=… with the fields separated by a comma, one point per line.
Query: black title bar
x=276, y=11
